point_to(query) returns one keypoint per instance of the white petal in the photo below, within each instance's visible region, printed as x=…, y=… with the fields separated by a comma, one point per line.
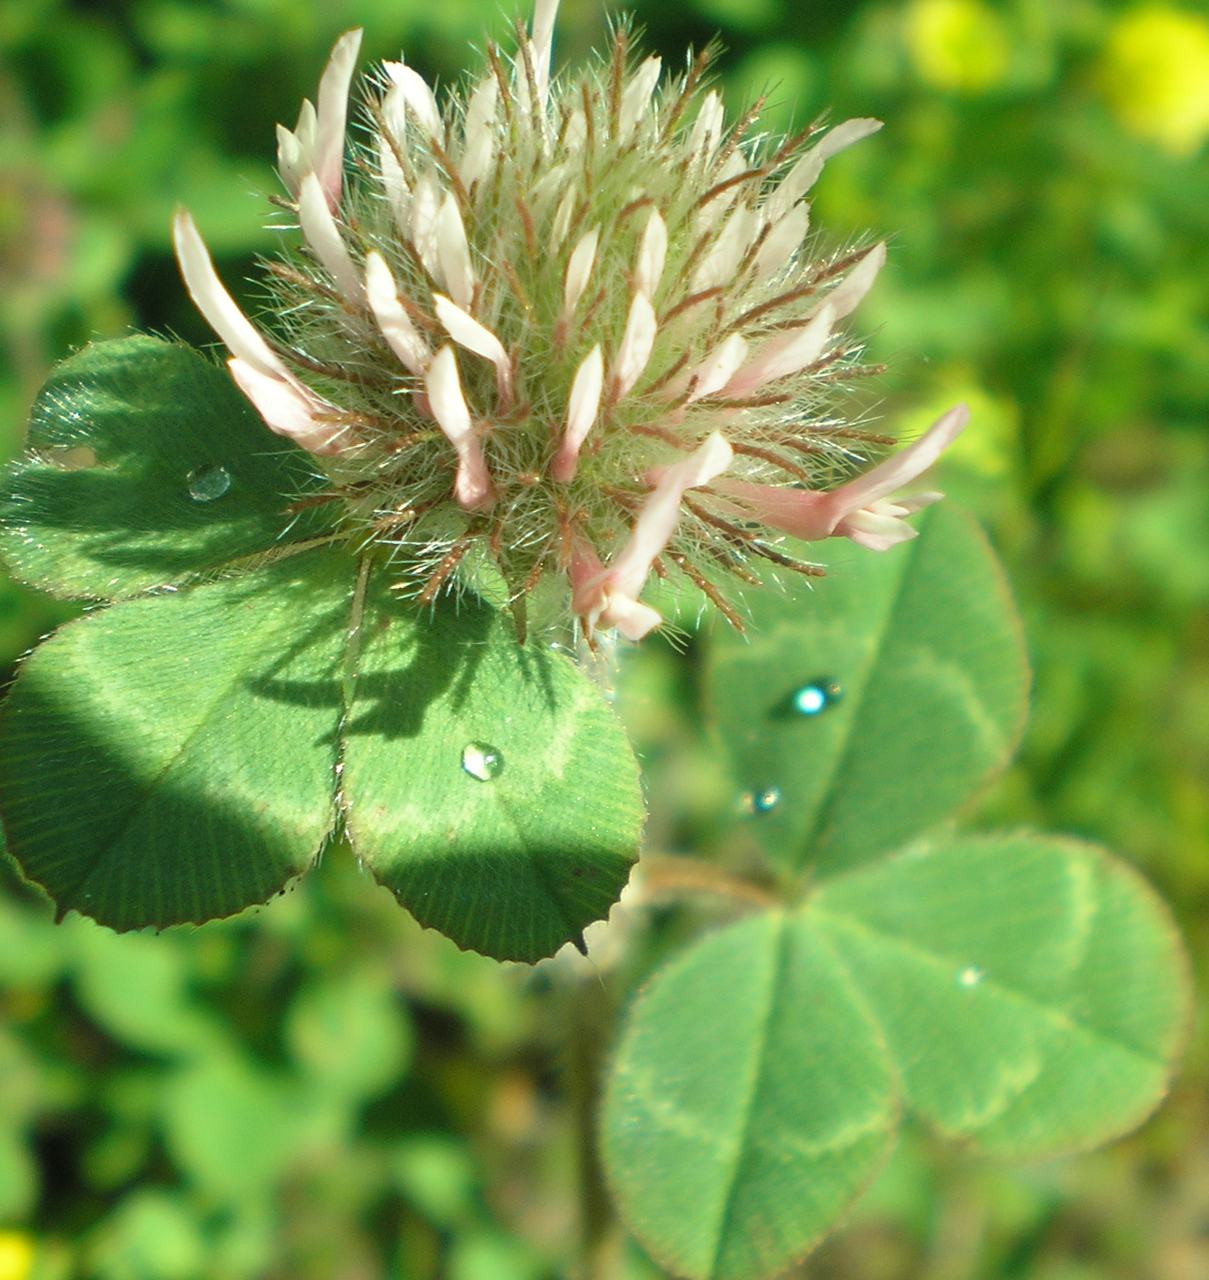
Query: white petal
x=576, y=132
x=402, y=336
x=636, y=97
x=286, y=409
x=394, y=184
x=582, y=408
x=453, y=253
x=780, y=357
x=579, y=269
x=717, y=208
x=478, y=132
x=875, y=531
x=631, y=617
x=296, y=151
x=332, y=115
x=562, y=218
x=473, y=484
x=728, y=250
x=425, y=211
x=657, y=520
x=652, y=254
x=418, y=97
x=781, y=242
x=706, y=136
x=636, y=345
x=849, y=293
x=544, y=14
x=844, y=135
x=394, y=114
x=444, y=386
x=466, y=331
x=325, y=241
x=211, y=298
x=805, y=173
x=717, y=369
x=307, y=128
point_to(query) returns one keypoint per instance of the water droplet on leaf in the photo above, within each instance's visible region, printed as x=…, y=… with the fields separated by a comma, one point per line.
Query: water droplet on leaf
x=206, y=484
x=814, y=698
x=482, y=761
x=970, y=976
x=765, y=800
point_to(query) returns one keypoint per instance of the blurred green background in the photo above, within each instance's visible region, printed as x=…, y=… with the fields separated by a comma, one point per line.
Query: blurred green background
x=321, y=1089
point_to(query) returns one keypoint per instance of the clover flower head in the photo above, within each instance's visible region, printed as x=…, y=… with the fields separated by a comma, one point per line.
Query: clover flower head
x=564, y=329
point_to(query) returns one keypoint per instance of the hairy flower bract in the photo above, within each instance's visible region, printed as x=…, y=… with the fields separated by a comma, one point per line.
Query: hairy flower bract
x=562, y=332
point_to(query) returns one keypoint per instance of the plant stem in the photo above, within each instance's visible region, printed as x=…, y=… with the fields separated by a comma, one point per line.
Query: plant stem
x=590, y=1019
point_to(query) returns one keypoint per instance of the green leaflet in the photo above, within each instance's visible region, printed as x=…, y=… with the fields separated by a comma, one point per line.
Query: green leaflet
x=1033, y=990
x=1029, y=993
x=172, y=759
x=749, y=1103
x=514, y=864
x=122, y=437
x=926, y=646
x=175, y=758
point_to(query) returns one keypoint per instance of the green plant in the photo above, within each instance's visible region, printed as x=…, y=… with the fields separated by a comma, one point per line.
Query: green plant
x=357, y=644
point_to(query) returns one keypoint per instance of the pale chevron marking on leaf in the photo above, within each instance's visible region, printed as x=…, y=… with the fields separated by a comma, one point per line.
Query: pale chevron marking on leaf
x=1060, y=1020
x=955, y=681
x=650, y=1091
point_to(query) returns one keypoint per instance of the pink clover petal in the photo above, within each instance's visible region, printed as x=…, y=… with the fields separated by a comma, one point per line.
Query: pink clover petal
x=582, y=408
x=631, y=617
x=801, y=513
x=657, y=520
x=904, y=466
x=286, y=409
x=780, y=357
x=397, y=328
x=472, y=485
x=862, y=509
x=324, y=240
x=211, y=298
x=418, y=97
x=608, y=597
x=332, y=115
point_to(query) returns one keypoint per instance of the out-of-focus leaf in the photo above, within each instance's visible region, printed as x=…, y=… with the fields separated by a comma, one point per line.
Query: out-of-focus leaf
x=230, y=1126
x=31, y=952
x=136, y=988
x=349, y=1032
x=18, y=1175
x=437, y=1175
x=152, y=1235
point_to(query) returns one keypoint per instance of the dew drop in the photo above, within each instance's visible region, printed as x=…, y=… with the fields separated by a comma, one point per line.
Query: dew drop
x=207, y=484
x=482, y=761
x=970, y=976
x=814, y=698
x=754, y=803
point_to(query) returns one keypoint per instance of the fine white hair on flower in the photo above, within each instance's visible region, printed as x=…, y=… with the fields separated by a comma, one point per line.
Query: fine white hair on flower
x=574, y=323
